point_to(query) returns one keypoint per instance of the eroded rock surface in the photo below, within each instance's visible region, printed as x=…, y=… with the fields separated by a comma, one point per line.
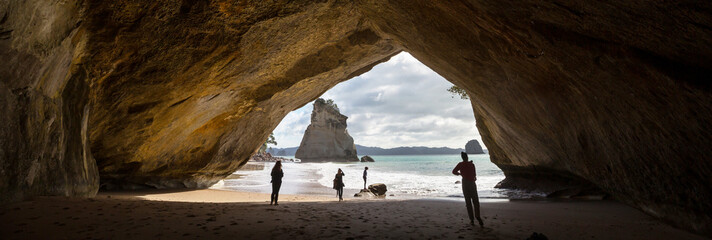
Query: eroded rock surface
x=378, y=189
x=44, y=102
x=617, y=95
x=185, y=91
x=473, y=147
x=326, y=138
x=181, y=93
x=367, y=159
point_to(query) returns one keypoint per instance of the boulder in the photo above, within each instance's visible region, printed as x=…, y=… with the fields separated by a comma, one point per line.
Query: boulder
x=378, y=189
x=326, y=138
x=266, y=157
x=364, y=193
x=367, y=159
x=473, y=147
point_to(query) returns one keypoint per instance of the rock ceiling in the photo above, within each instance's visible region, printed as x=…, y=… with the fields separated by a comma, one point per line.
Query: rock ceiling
x=180, y=93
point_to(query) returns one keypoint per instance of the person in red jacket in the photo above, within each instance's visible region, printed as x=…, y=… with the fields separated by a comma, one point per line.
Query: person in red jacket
x=466, y=169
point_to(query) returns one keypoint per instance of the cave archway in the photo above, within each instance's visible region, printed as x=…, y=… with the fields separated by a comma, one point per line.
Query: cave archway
x=167, y=94
x=400, y=114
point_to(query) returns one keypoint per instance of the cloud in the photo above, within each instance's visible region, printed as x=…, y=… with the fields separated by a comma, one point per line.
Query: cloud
x=398, y=103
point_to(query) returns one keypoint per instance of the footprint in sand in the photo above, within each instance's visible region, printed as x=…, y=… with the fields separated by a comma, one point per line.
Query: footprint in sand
x=485, y=230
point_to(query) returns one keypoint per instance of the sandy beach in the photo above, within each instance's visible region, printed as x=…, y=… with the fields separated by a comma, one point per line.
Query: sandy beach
x=217, y=214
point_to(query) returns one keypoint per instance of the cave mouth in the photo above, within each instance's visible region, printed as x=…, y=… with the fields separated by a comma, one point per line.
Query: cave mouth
x=180, y=94
x=400, y=113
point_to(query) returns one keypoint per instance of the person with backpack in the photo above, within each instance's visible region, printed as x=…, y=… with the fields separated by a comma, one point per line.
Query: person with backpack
x=339, y=184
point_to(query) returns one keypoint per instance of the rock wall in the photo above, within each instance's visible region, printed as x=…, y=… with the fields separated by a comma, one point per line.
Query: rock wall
x=473, y=147
x=44, y=103
x=174, y=93
x=326, y=138
x=614, y=94
x=187, y=91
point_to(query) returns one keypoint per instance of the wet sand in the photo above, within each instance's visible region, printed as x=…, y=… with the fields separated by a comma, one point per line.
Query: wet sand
x=216, y=214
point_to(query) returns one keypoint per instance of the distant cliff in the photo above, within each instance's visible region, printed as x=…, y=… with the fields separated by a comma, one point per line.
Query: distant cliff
x=283, y=151
x=326, y=138
x=473, y=147
x=363, y=150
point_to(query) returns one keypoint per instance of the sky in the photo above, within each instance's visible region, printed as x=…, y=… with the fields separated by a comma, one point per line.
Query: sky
x=398, y=103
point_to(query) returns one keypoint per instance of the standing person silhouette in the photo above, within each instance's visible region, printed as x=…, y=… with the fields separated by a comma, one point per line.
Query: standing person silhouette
x=466, y=169
x=364, y=176
x=277, y=175
x=339, y=184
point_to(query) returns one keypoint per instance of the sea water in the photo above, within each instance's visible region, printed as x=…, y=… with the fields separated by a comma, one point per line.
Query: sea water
x=404, y=176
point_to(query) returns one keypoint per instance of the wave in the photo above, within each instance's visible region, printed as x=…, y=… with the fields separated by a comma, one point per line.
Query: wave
x=400, y=182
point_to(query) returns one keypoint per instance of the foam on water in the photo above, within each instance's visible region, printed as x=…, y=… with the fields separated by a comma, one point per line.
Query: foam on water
x=421, y=175
x=428, y=175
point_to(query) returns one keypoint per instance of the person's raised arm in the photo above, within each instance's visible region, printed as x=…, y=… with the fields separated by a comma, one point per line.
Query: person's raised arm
x=456, y=170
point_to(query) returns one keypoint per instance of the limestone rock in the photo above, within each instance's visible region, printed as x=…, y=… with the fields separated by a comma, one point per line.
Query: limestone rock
x=44, y=102
x=378, y=189
x=267, y=157
x=182, y=93
x=365, y=193
x=611, y=95
x=473, y=147
x=326, y=138
x=367, y=159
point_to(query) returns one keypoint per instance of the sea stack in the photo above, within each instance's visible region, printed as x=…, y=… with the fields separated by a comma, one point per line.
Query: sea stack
x=367, y=159
x=473, y=147
x=326, y=138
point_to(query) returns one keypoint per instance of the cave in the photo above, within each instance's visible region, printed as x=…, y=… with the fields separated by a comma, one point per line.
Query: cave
x=168, y=93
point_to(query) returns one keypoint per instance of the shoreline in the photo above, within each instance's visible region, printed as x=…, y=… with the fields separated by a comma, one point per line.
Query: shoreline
x=218, y=214
x=308, y=178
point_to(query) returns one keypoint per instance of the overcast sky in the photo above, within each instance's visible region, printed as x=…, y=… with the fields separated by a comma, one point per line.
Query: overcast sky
x=398, y=103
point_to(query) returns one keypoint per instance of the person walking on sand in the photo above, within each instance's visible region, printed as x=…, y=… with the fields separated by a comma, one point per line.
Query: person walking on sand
x=339, y=184
x=277, y=175
x=466, y=169
x=364, y=176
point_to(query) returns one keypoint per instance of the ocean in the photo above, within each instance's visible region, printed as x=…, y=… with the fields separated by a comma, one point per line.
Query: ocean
x=406, y=176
